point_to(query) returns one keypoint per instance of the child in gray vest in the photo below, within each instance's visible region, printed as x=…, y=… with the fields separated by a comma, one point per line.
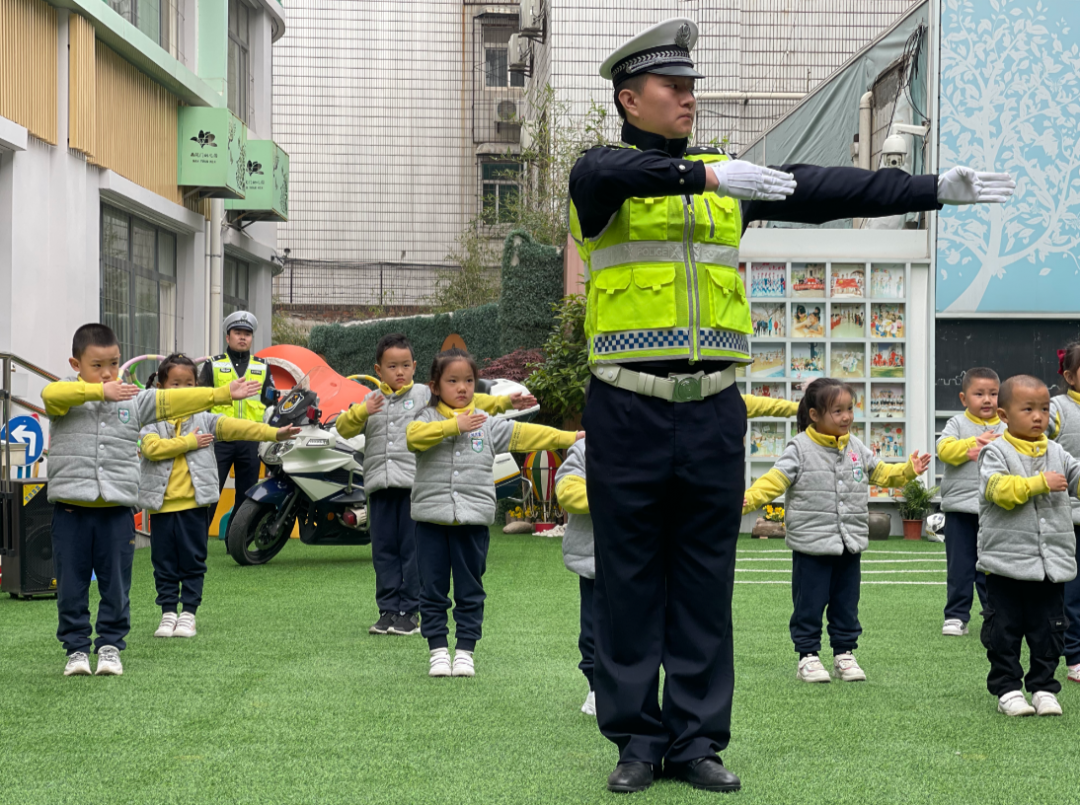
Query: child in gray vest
x=962, y=439
x=1027, y=548
x=389, y=469
x=1065, y=430
x=94, y=481
x=179, y=482
x=826, y=472
x=453, y=503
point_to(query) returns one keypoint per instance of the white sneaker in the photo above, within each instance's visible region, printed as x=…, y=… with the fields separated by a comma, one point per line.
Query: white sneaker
x=78, y=664
x=463, y=664
x=440, y=662
x=589, y=708
x=847, y=668
x=954, y=628
x=167, y=625
x=1074, y=673
x=811, y=670
x=1013, y=703
x=1045, y=703
x=185, y=625
x=108, y=661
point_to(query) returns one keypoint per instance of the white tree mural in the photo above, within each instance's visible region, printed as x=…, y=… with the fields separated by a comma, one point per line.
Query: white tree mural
x=1010, y=100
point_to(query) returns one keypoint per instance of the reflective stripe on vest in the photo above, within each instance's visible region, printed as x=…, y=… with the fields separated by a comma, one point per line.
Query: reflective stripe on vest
x=250, y=408
x=660, y=251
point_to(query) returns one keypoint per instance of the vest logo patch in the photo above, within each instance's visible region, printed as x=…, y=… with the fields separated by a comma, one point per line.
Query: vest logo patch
x=124, y=415
x=225, y=370
x=254, y=370
x=408, y=404
x=478, y=445
x=856, y=468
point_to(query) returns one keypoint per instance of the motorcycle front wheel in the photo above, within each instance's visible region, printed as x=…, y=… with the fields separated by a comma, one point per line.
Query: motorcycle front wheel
x=251, y=540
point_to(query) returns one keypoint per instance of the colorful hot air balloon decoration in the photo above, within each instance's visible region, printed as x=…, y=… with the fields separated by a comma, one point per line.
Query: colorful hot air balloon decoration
x=540, y=468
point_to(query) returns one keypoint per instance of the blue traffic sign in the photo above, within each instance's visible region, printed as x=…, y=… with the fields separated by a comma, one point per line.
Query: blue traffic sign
x=27, y=430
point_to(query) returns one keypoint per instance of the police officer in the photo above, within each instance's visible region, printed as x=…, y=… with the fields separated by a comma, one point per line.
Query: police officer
x=221, y=370
x=658, y=226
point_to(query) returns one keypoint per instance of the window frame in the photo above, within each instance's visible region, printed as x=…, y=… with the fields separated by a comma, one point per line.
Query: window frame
x=231, y=302
x=512, y=80
x=242, y=46
x=498, y=182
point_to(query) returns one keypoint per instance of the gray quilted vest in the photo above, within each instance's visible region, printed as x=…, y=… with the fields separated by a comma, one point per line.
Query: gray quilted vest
x=960, y=484
x=577, y=545
x=1068, y=410
x=201, y=464
x=387, y=460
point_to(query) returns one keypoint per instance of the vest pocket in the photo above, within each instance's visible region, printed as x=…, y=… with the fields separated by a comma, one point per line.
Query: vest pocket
x=648, y=218
x=722, y=220
x=727, y=301
x=629, y=298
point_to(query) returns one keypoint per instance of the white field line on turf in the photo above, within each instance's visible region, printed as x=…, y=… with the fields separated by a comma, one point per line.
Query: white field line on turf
x=865, y=572
x=864, y=553
x=923, y=583
x=864, y=561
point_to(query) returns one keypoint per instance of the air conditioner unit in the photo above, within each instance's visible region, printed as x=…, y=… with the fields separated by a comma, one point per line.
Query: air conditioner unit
x=507, y=112
x=518, y=53
x=532, y=17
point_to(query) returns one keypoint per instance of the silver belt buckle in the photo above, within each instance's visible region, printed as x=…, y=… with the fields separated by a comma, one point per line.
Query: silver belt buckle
x=687, y=388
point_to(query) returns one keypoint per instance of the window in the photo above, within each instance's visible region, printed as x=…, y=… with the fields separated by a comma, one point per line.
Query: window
x=158, y=19
x=496, y=58
x=239, y=69
x=234, y=285
x=138, y=283
x=500, y=189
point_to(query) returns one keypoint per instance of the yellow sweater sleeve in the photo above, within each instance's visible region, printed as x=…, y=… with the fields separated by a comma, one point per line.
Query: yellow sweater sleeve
x=421, y=436
x=768, y=406
x=528, y=437
x=493, y=405
x=768, y=487
x=231, y=429
x=61, y=397
x=893, y=474
x=180, y=403
x=955, y=451
x=352, y=422
x=157, y=449
x=571, y=494
x=1010, y=491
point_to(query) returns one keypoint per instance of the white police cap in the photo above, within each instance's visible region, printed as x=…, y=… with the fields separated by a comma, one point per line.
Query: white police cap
x=240, y=320
x=663, y=49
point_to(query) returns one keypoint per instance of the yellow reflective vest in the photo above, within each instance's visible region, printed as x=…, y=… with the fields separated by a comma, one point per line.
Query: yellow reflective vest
x=662, y=279
x=250, y=408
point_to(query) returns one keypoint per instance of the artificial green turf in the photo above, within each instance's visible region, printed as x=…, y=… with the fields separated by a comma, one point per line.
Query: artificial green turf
x=284, y=698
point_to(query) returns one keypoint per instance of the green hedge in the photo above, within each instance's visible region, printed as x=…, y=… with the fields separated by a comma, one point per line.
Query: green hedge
x=351, y=350
x=532, y=279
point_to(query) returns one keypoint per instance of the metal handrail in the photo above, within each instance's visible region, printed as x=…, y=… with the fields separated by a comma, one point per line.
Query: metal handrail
x=7, y=360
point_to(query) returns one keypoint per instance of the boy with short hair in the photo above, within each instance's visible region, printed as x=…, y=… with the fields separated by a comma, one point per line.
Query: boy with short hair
x=1027, y=548
x=94, y=481
x=962, y=439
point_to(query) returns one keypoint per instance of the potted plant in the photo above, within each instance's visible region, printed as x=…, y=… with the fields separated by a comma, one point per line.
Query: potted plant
x=917, y=504
x=771, y=525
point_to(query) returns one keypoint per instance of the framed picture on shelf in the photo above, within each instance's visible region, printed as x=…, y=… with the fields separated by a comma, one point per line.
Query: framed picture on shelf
x=848, y=280
x=847, y=321
x=769, y=360
x=847, y=360
x=858, y=402
x=808, y=279
x=887, y=441
x=887, y=281
x=886, y=320
x=769, y=319
x=742, y=276
x=807, y=360
x=886, y=360
x=770, y=391
x=883, y=493
x=768, y=279
x=807, y=320
x=767, y=439
x=887, y=400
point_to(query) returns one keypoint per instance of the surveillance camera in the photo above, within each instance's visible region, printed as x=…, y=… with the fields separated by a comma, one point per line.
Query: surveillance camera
x=894, y=151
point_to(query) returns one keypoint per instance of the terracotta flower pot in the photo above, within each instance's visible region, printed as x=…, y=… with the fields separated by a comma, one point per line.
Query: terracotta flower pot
x=913, y=529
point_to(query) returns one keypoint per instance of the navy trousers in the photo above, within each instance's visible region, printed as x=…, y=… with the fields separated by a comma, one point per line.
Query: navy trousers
x=1017, y=611
x=393, y=551
x=829, y=585
x=244, y=457
x=89, y=541
x=1072, y=611
x=458, y=552
x=665, y=487
x=178, y=554
x=961, y=542
x=587, y=589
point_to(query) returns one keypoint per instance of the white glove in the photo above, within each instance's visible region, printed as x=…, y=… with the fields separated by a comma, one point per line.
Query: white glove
x=967, y=186
x=750, y=182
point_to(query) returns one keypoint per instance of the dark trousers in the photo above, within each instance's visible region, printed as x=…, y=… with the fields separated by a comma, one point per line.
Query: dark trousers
x=961, y=540
x=459, y=552
x=244, y=457
x=665, y=486
x=829, y=585
x=393, y=551
x=585, y=644
x=86, y=541
x=1019, y=610
x=178, y=553
x=1072, y=612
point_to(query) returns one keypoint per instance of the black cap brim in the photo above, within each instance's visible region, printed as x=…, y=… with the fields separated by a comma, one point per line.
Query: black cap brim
x=677, y=69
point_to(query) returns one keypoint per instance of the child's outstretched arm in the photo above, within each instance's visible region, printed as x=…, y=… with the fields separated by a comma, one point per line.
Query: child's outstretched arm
x=526, y=437
x=231, y=429
x=570, y=481
x=504, y=403
x=768, y=406
x=896, y=475
x=61, y=396
x=768, y=487
x=422, y=435
x=155, y=405
x=1009, y=491
x=155, y=448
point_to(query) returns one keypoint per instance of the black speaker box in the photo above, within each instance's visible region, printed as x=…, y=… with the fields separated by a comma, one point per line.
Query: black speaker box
x=26, y=549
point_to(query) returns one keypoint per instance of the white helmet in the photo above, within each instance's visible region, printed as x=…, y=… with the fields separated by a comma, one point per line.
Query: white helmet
x=240, y=320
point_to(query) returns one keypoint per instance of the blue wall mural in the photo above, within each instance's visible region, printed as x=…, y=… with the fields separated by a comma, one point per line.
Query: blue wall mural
x=1010, y=100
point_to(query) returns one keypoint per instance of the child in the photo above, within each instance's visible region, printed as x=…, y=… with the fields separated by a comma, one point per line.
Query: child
x=389, y=468
x=959, y=446
x=826, y=473
x=179, y=481
x=1027, y=548
x=578, y=550
x=94, y=480
x=1065, y=430
x=453, y=502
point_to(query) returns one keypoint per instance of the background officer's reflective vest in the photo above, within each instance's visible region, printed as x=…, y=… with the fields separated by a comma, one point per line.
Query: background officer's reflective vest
x=662, y=278
x=251, y=408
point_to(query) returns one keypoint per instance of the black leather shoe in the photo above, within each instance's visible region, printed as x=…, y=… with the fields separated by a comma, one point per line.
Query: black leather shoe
x=705, y=773
x=629, y=778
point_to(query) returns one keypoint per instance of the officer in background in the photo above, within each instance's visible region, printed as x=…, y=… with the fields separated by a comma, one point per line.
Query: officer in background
x=221, y=370
x=658, y=226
